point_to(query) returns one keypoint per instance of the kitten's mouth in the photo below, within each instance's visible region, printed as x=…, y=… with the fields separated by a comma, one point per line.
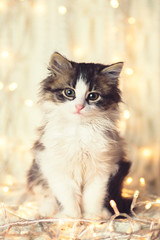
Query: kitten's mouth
x=79, y=113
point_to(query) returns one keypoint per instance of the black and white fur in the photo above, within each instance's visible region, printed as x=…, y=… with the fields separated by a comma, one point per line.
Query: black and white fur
x=79, y=159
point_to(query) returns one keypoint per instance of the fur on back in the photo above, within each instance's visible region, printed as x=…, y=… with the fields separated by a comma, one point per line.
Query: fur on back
x=79, y=151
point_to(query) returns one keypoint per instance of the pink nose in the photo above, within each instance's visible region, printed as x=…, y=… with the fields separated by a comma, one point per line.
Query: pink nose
x=79, y=107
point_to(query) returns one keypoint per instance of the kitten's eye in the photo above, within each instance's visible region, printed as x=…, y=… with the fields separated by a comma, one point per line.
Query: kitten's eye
x=93, y=96
x=69, y=93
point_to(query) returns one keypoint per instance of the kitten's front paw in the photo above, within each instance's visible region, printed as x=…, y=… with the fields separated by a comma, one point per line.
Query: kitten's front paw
x=91, y=216
x=105, y=214
x=48, y=207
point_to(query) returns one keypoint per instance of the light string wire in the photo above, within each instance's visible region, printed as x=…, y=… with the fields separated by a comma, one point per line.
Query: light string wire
x=74, y=229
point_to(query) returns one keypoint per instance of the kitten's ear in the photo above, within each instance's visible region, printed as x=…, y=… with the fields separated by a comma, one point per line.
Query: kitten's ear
x=58, y=64
x=113, y=71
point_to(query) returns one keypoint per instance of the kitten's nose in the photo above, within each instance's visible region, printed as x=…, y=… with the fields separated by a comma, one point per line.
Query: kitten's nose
x=79, y=107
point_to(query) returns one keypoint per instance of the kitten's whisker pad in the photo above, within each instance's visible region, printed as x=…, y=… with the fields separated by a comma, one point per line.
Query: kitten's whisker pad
x=79, y=161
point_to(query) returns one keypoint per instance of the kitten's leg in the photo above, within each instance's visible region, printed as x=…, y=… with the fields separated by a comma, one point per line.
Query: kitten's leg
x=47, y=202
x=93, y=199
x=62, y=184
x=38, y=186
x=48, y=206
x=68, y=196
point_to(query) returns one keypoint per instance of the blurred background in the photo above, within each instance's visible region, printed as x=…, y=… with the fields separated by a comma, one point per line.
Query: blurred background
x=104, y=31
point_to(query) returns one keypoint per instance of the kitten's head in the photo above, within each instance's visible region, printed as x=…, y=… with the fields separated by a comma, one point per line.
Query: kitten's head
x=81, y=89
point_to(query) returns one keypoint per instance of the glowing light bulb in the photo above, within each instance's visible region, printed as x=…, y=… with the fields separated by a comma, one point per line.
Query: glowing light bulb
x=136, y=194
x=128, y=71
x=142, y=181
x=1, y=85
x=12, y=86
x=29, y=204
x=129, y=180
x=158, y=200
x=114, y=3
x=78, y=51
x=2, y=141
x=60, y=222
x=20, y=208
x=114, y=206
x=5, y=189
x=28, y=102
x=126, y=114
x=62, y=10
x=146, y=152
x=112, y=203
x=148, y=205
x=4, y=54
x=110, y=228
x=3, y=6
x=131, y=20
x=94, y=234
x=39, y=8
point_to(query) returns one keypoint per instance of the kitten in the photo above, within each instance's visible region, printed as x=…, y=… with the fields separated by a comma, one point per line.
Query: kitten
x=79, y=159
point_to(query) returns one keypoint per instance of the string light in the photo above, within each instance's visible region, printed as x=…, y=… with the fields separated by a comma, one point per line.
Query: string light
x=114, y=206
x=80, y=228
x=62, y=10
x=5, y=189
x=148, y=205
x=2, y=141
x=4, y=54
x=39, y=8
x=3, y=6
x=1, y=85
x=114, y=3
x=29, y=204
x=146, y=152
x=136, y=194
x=129, y=180
x=128, y=71
x=78, y=51
x=131, y=20
x=126, y=114
x=142, y=181
x=13, y=86
x=110, y=228
x=28, y=102
x=158, y=200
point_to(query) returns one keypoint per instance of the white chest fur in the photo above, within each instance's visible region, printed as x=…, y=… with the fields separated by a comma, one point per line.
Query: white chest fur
x=81, y=150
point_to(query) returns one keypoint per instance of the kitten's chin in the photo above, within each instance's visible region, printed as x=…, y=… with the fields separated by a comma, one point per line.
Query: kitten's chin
x=83, y=115
x=78, y=113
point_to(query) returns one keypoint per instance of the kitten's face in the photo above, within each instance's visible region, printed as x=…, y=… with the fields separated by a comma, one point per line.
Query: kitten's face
x=81, y=89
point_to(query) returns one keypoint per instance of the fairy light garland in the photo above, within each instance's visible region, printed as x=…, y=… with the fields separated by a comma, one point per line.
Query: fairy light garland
x=19, y=222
